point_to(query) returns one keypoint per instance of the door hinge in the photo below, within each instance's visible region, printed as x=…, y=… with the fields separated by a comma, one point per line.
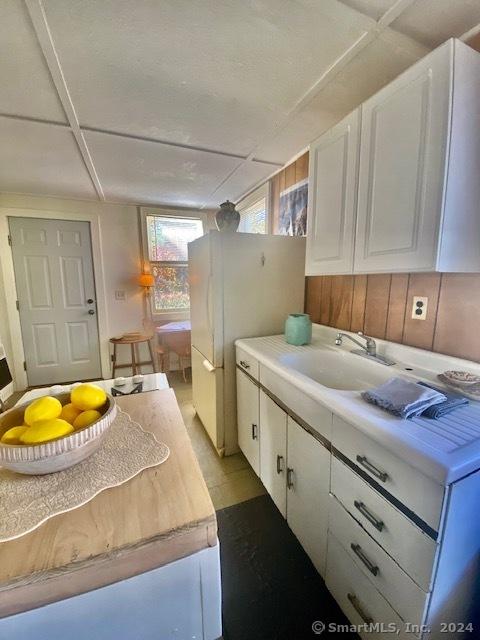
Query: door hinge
x=17, y=304
x=10, y=240
x=24, y=365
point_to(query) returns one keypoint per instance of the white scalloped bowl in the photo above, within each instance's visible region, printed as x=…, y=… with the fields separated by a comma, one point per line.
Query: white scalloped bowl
x=58, y=454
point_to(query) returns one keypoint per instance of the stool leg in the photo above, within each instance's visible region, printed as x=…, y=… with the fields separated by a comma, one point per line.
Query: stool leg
x=134, y=362
x=114, y=360
x=151, y=355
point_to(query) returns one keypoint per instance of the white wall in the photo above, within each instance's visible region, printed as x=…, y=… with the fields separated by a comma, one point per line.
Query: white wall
x=120, y=249
x=121, y=259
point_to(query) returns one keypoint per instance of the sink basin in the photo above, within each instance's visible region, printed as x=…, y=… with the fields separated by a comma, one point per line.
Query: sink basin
x=338, y=369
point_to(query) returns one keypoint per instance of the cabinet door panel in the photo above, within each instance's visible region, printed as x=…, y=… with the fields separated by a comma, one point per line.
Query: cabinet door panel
x=308, y=481
x=248, y=420
x=273, y=451
x=402, y=167
x=332, y=199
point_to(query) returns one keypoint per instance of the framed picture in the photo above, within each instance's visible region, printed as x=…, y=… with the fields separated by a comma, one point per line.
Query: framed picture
x=292, y=219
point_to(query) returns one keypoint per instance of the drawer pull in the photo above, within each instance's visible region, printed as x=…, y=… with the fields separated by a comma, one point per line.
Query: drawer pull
x=279, y=464
x=358, y=608
x=381, y=475
x=289, y=478
x=254, y=432
x=244, y=364
x=378, y=524
x=357, y=550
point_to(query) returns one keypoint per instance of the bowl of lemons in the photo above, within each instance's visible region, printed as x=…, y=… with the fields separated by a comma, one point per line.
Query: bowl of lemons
x=55, y=432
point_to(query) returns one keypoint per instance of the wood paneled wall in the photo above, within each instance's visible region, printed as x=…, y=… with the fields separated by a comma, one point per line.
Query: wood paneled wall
x=380, y=305
x=290, y=175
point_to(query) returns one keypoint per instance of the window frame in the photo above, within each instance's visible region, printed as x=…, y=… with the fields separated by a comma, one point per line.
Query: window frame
x=169, y=315
x=260, y=193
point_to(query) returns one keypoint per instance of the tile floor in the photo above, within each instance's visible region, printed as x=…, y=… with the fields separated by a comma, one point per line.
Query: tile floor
x=230, y=480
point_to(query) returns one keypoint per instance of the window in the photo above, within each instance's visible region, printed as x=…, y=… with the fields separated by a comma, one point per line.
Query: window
x=167, y=239
x=253, y=211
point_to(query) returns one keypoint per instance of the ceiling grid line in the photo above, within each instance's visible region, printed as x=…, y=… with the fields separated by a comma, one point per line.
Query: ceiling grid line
x=44, y=36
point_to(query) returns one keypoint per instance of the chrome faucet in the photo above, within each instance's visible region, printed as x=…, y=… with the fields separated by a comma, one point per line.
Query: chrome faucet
x=369, y=347
x=368, y=350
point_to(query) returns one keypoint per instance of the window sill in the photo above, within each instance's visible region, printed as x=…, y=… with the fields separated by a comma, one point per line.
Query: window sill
x=170, y=316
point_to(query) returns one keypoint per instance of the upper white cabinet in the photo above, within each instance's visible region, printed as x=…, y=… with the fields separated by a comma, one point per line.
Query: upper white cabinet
x=332, y=198
x=418, y=189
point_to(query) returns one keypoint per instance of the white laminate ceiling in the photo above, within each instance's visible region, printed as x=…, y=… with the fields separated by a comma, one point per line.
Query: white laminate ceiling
x=189, y=102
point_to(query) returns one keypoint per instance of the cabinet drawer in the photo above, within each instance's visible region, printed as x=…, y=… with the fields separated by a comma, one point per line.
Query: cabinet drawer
x=247, y=362
x=404, y=541
x=402, y=593
x=416, y=491
x=359, y=600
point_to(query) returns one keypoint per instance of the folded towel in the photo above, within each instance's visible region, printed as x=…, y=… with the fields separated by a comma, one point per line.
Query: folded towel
x=403, y=398
x=453, y=401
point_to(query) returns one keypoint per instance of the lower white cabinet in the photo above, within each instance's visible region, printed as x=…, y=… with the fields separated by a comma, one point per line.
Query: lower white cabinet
x=273, y=451
x=295, y=470
x=248, y=420
x=363, y=605
x=308, y=484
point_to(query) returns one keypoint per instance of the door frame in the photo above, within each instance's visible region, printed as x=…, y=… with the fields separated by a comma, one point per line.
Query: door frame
x=10, y=287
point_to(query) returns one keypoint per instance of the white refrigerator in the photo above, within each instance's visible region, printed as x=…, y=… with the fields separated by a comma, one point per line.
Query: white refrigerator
x=241, y=285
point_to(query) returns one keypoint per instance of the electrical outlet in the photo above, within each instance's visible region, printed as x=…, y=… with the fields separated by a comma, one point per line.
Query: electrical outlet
x=119, y=295
x=419, y=308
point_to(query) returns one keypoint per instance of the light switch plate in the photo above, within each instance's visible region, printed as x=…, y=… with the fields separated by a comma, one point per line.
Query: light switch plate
x=119, y=295
x=419, y=308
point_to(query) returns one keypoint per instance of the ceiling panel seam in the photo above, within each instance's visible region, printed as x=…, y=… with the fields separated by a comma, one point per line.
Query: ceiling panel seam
x=42, y=30
x=371, y=33
x=178, y=145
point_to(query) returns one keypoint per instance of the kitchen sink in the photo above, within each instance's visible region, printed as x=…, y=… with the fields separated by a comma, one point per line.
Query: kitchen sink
x=338, y=369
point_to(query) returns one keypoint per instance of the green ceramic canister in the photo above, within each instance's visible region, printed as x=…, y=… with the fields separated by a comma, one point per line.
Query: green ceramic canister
x=298, y=329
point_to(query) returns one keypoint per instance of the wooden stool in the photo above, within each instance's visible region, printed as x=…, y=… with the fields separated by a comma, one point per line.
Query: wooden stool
x=133, y=340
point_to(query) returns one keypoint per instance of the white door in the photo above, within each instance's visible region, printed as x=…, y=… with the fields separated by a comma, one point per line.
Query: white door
x=332, y=198
x=56, y=296
x=308, y=485
x=207, y=396
x=248, y=420
x=273, y=451
x=402, y=168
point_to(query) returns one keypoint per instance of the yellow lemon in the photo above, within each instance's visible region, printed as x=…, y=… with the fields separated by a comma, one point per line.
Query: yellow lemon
x=45, y=430
x=13, y=435
x=88, y=396
x=70, y=412
x=45, y=408
x=86, y=418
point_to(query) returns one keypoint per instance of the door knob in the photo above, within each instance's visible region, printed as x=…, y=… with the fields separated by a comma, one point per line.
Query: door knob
x=91, y=312
x=90, y=301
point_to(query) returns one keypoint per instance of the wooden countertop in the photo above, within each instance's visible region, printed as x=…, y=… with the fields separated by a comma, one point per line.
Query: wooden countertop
x=163, y=514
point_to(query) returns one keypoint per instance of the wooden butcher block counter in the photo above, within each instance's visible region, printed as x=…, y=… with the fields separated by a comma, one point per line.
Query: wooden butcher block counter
x=163, y=514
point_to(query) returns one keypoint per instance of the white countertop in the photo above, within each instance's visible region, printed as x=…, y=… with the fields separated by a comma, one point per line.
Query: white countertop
x=445, y=450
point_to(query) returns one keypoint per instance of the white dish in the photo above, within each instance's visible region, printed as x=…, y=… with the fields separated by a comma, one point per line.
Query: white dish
x=461, y=378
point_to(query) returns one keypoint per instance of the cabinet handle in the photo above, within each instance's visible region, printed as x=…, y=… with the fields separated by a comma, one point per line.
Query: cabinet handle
x=358, y=608
x=279, y=464
x=381, y=475
x=244, y=364
x=357, y=550
x=254, y=432
x=378, y=524
x=289, y=478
